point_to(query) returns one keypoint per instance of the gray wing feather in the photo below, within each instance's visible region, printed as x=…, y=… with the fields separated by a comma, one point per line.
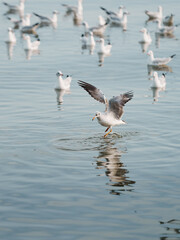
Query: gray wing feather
x=117, y=103
x=96, y=93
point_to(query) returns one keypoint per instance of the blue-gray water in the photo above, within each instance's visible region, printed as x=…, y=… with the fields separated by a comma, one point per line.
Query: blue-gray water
x=60, y=179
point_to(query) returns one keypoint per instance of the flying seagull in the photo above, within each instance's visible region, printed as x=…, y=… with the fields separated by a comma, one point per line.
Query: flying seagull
x=114, y=107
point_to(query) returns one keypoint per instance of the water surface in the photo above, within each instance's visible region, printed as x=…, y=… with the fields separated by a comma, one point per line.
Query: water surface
x=60, y=179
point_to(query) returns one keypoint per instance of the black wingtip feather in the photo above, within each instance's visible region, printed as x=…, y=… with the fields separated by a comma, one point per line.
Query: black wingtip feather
x=173, y=55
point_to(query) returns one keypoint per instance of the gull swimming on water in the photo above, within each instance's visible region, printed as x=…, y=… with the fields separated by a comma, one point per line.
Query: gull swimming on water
x=19, y=7
x=159, y=82
x=11, y=36
x=31, y=45
x=166, y=29
x=146, y=36
x=159, y=61
x=169, y=20
x=30, y=29
x=98, y=30
x=155, y=15
x=76, y=10
x=110, y=14
x=63, y=84
x=114, y=107
x=104, y=49
x=45, y=19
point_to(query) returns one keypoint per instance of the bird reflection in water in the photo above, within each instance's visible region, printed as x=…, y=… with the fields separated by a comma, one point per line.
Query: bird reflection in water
x=114, y=170
x=163, y=68
x=29, y=53
x=144, y=46
x=173, y=229
x=10, y=48
x=60, y=94
x=158, y=36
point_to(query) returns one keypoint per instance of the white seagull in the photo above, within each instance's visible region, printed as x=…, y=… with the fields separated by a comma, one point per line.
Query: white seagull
x=120, y=21
x=159, y=61
x=169, y=20
x=11, y=36
x=159, y=82
x=114, y=107
x=146, y=38
x=101, y=20
x=30, y=29
x=19, y=7
x=84, y=39
x=104, y=49
x=155, y=15
x=26, y=20
x=76, y=10
x=110, y=14
x=166, y=29
x=98, y=30
x=63, y=84
x=45, y=19
x=31, y=45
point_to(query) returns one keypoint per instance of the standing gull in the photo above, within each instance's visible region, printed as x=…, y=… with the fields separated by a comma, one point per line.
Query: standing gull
x=114, y=107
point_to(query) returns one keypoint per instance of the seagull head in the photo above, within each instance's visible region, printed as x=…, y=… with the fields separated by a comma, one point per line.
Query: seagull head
x=59, y=73
x=150, y=53
x=143, y=30
x=98, y=114
x=121, y=7
x=155, y=75
x=55, y=12
x=10, y=29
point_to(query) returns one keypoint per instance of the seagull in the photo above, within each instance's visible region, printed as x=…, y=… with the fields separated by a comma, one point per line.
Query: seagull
x=44, y=19
x=119, y=21
x=84, y=39
x=63, y=84
x=166, y=29
x=15, y=21
x=76, y=10
x=168, y=20
x=114, y=107
x=26, y=20
x=98, y=30
x=30, y=29
x=159, y=82
x=104, y=49
x=159, y=61
x=146, y=36
x=70, y=8
x=101, y=20
x=19, y=7
x=155, y=15
x=110, y=14
x=31, y=45
x=11, y=36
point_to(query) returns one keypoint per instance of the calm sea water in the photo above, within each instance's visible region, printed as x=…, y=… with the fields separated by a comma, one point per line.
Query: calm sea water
x=60, y=179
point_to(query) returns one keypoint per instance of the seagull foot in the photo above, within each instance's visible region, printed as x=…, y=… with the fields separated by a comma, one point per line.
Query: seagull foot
x=107, y=133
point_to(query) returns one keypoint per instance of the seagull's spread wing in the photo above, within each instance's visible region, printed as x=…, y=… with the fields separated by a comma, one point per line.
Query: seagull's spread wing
x=93, y=91
x=116, y=103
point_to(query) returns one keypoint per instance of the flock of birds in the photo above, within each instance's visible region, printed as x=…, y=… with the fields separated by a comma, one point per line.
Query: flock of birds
x=112, y=115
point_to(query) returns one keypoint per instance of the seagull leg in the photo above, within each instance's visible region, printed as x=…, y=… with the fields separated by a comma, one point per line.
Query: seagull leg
x=107, y=129
x=108, y=133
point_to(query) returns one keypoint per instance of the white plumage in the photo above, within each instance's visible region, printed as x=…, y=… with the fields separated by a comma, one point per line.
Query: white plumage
x=63, y=84
x=158, y=61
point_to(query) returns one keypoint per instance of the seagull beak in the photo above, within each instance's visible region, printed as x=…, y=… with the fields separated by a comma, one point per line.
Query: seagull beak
x=94, y=118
